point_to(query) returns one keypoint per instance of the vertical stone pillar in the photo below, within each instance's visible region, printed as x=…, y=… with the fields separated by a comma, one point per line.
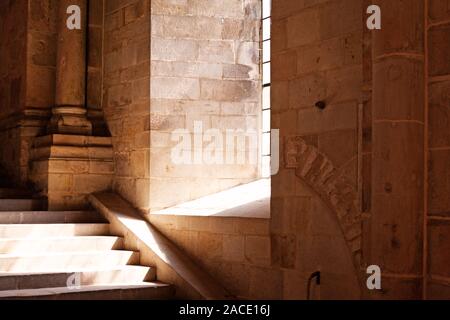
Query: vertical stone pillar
x=398, y=148
x=69, y=163
x=69, y=114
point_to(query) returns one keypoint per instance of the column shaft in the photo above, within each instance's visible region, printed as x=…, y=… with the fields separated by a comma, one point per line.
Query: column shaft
x=69, y=114
x=398, y=147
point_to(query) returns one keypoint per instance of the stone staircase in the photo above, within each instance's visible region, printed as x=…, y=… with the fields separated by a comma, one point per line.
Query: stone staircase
x=67, y=255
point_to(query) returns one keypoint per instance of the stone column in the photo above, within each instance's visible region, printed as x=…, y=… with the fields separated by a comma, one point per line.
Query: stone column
x=69, y=163
x=69, y=114
x=398, y=148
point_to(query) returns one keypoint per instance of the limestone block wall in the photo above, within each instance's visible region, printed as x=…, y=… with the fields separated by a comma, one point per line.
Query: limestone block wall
x=126, y=100
x=235, y=251
x=317, y=56
x=13, y=55
x=204, y=70
x=41, y=54
x=250, y=261
x=40, y=76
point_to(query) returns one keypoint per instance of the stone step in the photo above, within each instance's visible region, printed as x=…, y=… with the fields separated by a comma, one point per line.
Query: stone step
x=39, y=217
x=142, y=291
x=60, y=244
x=61, y=262
x=21, y=204
x=16, y=231
x=14, y=193
x=83, y=277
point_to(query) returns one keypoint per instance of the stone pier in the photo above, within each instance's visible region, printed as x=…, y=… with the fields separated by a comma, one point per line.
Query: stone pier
x=69, y=163
x=398, y=148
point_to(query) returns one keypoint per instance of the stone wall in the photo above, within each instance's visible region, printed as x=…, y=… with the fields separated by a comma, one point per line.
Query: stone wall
x=12, y=81
x=126, y=101
x=13, y=55
x=317, y=56
x=337, y=205
x=28, y=79
x=272, y=259
x=235, y=251
x=378, y=148
x=205, y=71
x=94, y=101
x=328, y=213
x=41, y=54
x=243, y=255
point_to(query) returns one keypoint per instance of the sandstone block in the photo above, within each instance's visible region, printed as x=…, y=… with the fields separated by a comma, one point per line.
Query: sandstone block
x=174, y=50
x=89, y=183
x=258, y=250
x=405, y=147
x=407, y=19
x=439, y=114
x=439, y=248
x=403, y=98
x=303, y=28
x=216, y=51
x=439, y=183
x=229, y=90
x=439, y=50
x=175, y=88
x=233, y=248
x=439, y=10
x=286, y=65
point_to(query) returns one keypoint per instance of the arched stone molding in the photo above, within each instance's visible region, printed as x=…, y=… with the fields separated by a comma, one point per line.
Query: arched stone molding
x=319, y=173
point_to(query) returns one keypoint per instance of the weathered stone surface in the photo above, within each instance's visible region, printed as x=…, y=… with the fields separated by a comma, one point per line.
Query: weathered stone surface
x=41, y=88
x=403, y=28
x=338, y=146
x=318, y=172
x=397, y=141
x=439, y=248
x=303, y=28
x=403, y=98
x=439, y=50
x=71, y=63
x=175, y=88
x=42, y=49
x=439, y=182
x=405, y=148
x=438, y=10
x=439, y=114
x=66, y=168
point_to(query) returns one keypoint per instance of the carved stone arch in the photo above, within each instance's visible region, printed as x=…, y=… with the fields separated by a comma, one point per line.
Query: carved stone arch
x=319, y=173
